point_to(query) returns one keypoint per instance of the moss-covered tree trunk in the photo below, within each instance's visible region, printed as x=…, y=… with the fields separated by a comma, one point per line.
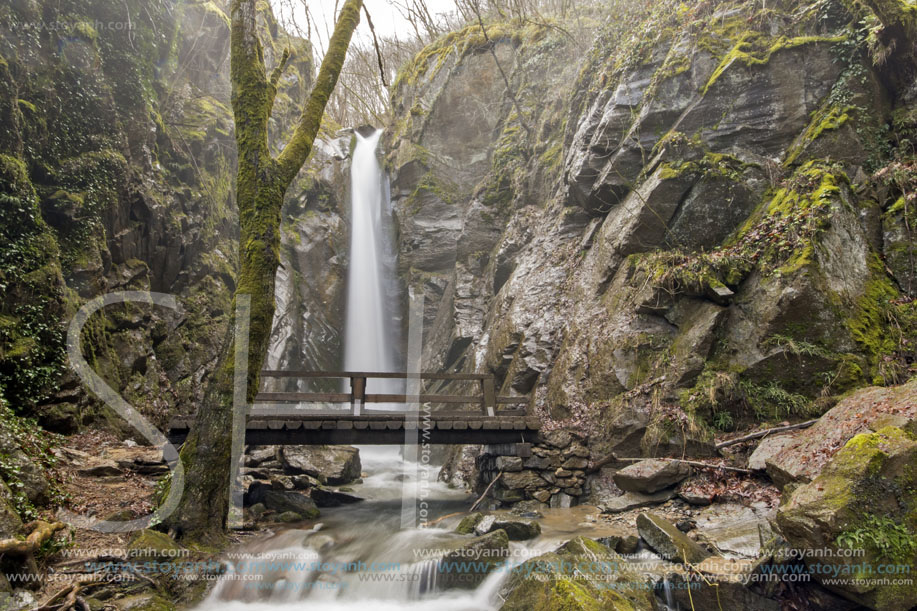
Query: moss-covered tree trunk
x=262, y=183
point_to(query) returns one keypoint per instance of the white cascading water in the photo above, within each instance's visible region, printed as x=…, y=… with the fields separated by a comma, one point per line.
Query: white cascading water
x=371, y=328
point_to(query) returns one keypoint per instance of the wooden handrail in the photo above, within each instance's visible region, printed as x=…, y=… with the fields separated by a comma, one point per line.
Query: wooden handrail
x=357, y=397
x=467, y=377
x=302, y=397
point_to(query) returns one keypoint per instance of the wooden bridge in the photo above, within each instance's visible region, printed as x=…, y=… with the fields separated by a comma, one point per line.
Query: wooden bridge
x=285, y=418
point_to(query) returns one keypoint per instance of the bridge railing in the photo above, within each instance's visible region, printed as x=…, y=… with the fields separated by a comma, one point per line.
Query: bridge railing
x=487, y=399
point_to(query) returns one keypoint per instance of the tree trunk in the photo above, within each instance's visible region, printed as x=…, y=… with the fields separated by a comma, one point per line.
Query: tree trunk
x=262, y=182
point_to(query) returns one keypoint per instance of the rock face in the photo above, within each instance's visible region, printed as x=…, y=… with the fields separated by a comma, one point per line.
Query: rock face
x=870, y=409
x=667, y=541
x=18, y=467
x=10, y=522
x=691, y=240
x=118, y=145
x=333, y=465
x=863, y=499
x=311, y=287
x=543, y=583
x=650, y=476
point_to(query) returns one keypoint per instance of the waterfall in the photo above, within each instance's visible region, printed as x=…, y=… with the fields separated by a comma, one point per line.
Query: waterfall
x=371, y=326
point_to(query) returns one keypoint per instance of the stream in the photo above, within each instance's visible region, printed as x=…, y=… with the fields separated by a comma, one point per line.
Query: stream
x=367, y=532
x=346, y=542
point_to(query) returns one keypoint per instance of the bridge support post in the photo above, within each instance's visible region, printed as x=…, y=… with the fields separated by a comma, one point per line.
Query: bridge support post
x=357, y=395
x=489, y=403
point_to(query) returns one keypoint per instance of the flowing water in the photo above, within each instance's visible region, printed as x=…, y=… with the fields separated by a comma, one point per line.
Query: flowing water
x=358, y=557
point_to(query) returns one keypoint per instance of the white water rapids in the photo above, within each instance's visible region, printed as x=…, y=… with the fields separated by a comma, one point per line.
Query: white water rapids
x=368, y=532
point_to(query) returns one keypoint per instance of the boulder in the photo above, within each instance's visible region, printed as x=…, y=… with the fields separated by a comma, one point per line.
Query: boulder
x=866, y=499
x=468, y=523
x=767, y=449
x=734, y=529
x=326, y=497
x=667, y=541
x=715, y=591
x=256, y=455
x=100, y=468
x=332, y=465
x=635, y=500
x=516, y=529
x=283, y=501
x=468, y=566
x=255, y=492
x=649, y=476
x=581, y=574
x=808, y=452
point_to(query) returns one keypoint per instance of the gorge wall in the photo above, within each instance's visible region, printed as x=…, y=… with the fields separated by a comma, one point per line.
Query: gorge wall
x=695, y=224
x=122, y=158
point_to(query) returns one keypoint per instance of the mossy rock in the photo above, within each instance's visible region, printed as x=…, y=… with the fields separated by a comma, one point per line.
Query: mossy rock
x=668, y=541
x=155, y=545
x=466, y=526
x=10, y=523
x=864, y=499
x=561, y=580
x=289, y=516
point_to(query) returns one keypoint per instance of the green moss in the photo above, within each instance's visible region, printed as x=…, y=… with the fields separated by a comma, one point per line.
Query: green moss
x=470, y=39
x=468, y=523
x=432, y=184
x=544, y=584
x=884, y=326
x=711, y=164
x=825, y=119
x=86, y=30
x=756, y=49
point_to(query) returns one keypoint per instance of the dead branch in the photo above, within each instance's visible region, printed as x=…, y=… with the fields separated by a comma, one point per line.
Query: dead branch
x=445, y=517
x=692, y=463
x=369, y=21
x=765, y=433
x=486, y=491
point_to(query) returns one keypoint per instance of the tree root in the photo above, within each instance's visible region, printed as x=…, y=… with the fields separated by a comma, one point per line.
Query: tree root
x=41, y=532
x=72, y=599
